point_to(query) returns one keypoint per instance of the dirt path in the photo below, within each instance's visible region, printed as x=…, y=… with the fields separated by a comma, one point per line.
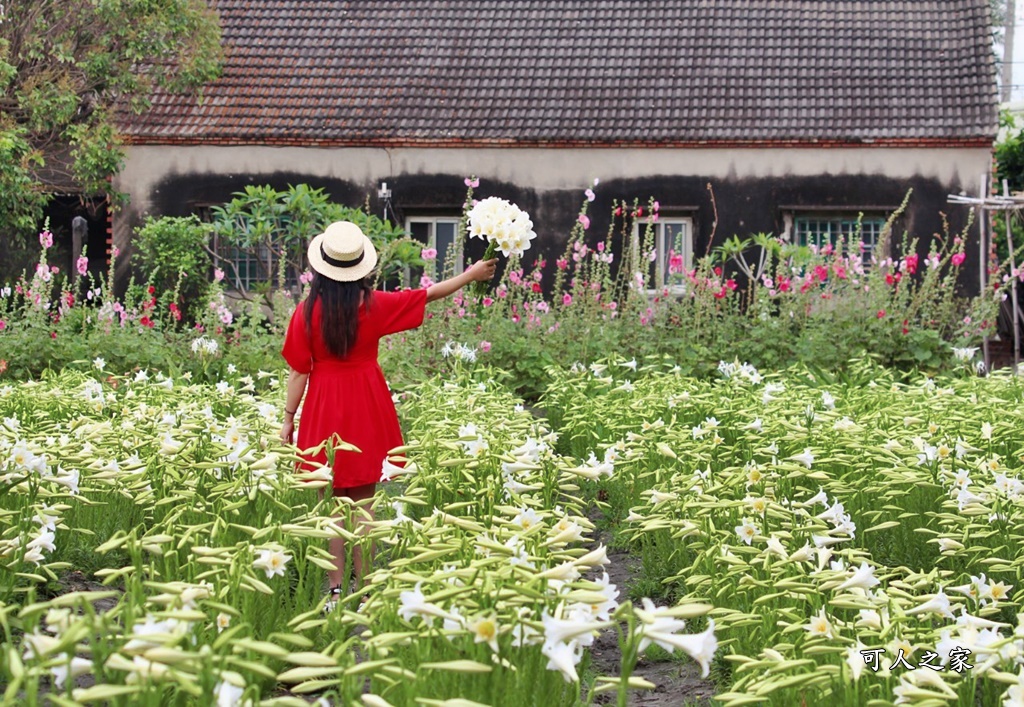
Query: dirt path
x=678, y=681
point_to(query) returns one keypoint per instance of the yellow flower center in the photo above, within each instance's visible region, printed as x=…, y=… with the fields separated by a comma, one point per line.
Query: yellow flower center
x=486, y=629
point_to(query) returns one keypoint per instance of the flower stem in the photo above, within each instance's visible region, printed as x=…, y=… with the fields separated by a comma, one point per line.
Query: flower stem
x=482, y=288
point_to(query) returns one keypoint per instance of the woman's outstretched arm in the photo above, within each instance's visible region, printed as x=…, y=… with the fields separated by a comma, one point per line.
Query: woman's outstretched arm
x=481, y=271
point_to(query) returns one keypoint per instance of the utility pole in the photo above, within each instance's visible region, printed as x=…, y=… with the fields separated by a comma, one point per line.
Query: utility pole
x=1010, y=26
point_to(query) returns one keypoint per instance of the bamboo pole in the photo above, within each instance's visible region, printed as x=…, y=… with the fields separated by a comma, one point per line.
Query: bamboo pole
x=982, y=262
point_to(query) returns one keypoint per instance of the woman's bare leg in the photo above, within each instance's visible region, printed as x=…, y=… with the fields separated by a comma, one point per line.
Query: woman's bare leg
x=337, y=545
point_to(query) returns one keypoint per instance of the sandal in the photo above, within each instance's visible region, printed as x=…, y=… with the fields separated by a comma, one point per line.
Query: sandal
x=333, y=597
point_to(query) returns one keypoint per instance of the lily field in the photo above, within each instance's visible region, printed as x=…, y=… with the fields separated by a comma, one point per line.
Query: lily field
x=801, y=538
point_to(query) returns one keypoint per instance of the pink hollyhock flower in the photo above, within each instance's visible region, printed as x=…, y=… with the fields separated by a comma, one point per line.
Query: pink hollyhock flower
x=428, y=253
x=485, y=346
x=958, y=259
x=590, y=194
x=675, y=264
x=82, y=265
x=45, y=239
x=910, y=263
x=425, y=282
x=218, y=275
x=3, y=325
x=584, y=220
x=566, y=299
x=656, y=206
x=881, y=313
x=114, y=251
x=54, y=269
x=488, y=301
x=472, y=182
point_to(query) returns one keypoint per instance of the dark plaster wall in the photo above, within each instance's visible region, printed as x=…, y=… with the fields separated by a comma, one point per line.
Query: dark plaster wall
x=744, y=205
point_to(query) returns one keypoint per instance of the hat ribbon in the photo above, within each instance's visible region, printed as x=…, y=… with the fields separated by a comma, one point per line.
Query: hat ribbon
x=341, y=263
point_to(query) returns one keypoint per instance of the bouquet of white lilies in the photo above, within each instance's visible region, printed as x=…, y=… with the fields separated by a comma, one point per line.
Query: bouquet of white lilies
x=504, y=225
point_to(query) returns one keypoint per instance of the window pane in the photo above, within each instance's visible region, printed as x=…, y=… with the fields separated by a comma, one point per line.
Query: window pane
x=820, y=232
x=420, y=230
x=444, y=240
x=676, y=248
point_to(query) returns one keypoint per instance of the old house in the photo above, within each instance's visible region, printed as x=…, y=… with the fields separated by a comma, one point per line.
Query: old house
x=803, y=115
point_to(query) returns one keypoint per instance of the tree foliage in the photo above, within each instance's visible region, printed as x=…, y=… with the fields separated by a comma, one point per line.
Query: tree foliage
x=67, y=69
x=274, y=229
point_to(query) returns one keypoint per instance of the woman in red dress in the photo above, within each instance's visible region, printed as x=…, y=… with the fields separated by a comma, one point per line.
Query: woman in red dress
x=331, y=344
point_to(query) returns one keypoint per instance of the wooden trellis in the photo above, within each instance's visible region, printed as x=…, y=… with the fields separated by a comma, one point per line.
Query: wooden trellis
x=1006, y=203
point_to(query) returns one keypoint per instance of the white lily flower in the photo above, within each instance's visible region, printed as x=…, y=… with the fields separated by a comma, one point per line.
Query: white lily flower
x=938, y=604
x=747, y=530
x=804, y=554
x=414, y=603
x=855, y=659
x=775, y=547
x=594, y=557
x=272, y=562
x=806, y=458
x=485, y=630
x=563, y=657
x=819, y=625
x=72, y=668
x=863, y=578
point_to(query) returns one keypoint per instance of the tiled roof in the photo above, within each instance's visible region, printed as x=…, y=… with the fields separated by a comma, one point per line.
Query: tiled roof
x=603, y=72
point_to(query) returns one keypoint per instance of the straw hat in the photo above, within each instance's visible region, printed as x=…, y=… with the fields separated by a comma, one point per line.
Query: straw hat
x=342, y=252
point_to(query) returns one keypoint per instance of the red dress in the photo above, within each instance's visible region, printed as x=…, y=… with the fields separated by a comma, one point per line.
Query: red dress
x=349, y=395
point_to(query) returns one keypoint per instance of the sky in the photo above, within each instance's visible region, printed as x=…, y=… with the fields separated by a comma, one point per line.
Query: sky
x=1017, y=93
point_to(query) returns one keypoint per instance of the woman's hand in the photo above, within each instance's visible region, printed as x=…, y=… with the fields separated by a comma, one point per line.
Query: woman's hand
x=288, y=430
x=483, y=270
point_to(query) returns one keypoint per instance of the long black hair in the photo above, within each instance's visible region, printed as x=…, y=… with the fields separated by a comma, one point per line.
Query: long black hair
x=339, y=310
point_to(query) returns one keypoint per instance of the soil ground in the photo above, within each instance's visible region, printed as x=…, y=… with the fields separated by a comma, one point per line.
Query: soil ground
x=678, y=681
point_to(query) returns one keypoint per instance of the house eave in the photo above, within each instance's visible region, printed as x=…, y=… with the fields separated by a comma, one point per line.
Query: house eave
x=980, y=141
